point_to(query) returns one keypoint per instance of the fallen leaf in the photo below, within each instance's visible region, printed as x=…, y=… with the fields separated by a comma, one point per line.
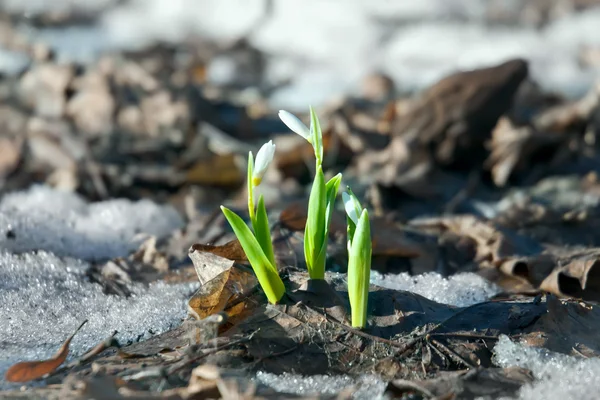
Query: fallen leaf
x=29, y=370
x=220, y=170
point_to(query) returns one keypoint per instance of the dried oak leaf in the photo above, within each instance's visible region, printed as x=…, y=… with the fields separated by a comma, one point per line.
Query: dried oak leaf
x=224, y=283
x=455, y=116
x=578, y=278
x=494, y=244
x=30, y=370
x=486, y=382
x=514, y=148
x=569, y=327
x=388, y=238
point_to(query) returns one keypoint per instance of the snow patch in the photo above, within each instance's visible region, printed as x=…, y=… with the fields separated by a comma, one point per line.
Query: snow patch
x=42, y=218
x=460, y=290
x=558, y=376
x=43, y=298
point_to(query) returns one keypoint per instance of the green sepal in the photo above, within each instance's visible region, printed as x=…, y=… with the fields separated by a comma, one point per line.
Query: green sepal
x=359, y=271
x=262, y=231
x=316, y=136
x=267, y=274
x=250, y=187
x=315, y=226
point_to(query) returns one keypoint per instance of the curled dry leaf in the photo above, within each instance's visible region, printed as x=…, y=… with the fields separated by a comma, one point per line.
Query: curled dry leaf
x=514, y=148
x=389, y=239
x=455, y=116
x=580, y=278
x=224, y=283
x=28, y=370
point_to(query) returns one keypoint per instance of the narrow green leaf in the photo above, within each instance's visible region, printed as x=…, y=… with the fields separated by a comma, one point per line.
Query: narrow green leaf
x=332, y=186
x=250, y=186
x=315, y=224
x=262, y=230
x=316, y=136
x=359, y=271
x=267, y=273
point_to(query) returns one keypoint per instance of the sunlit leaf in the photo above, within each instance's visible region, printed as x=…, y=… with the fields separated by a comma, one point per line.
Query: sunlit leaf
x=267, y=274
x=314, y=234
x=359, y=271
x=262, y=230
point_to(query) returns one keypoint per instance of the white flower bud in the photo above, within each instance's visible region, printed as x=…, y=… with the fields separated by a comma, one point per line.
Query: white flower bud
x=295, y=125
x=263, y=159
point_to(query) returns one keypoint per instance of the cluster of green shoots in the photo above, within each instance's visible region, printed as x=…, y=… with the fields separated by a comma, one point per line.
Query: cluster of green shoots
x=257, y=243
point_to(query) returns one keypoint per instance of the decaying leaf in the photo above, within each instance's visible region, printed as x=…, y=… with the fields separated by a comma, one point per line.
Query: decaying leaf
x=30, y=370
x=494, y=244
x=579, y=278
x=515, y=148
x=569, y=327
x=220, y=170
x=224, y=283
x=456, y=115
x=210, y=261
x=484, y=382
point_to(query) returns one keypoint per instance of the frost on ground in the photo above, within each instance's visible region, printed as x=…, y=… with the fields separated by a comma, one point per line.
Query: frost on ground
x=460, y=290
x=363, y=387
x=43, y=299
x=558, y=376
x=63, y=223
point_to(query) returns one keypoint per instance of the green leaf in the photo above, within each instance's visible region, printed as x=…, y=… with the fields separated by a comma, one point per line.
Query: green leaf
x=315, y=225
x=359, y=271
x=316, y=136
x=262, y=230
x=332, y=187
x=267, y=273
x=351, y=224
x=250, y=187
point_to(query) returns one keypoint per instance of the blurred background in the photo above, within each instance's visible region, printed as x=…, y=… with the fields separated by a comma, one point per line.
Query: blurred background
x=150, y=98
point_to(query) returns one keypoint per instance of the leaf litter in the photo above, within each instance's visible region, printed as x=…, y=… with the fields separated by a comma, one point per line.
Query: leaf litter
x=484, y=192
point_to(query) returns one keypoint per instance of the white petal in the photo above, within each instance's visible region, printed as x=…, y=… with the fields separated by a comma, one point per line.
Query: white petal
x=350, y=207
x=263, y=159
x=294, y=123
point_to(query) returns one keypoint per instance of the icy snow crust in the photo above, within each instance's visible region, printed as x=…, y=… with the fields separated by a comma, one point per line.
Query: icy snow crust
x=44, y=297
x=63, y=223
x=460, y=290
x=558, y=376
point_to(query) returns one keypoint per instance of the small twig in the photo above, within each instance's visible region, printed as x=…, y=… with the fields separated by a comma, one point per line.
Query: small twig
x=465, y=335
x=99, y=348
x=452, y=354
x=281, y=353
x=176, y=367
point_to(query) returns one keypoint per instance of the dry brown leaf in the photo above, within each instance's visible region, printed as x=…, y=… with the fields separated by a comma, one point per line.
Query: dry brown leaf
x=388, y=238
x=223, y=293
x=220, y=170
x=513, y=149
x=580, y=279
x=456, y=115
x=28, y=370
x=494, y=244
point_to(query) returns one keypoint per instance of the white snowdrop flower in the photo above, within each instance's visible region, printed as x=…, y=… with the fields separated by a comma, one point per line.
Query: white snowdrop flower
x=263, y=159
x=295, y=125
x=350, y=206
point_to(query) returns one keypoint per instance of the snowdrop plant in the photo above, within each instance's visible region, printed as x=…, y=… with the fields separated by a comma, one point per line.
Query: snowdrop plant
x=359, y=258
x=322, y=196
x=257, y=242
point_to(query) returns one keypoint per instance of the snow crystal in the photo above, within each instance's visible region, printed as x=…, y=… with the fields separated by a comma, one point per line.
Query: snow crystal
x=42, y=218
x=460, y=290
x=44, y=298
x=364, y=387
x=558, y=376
